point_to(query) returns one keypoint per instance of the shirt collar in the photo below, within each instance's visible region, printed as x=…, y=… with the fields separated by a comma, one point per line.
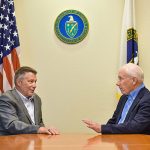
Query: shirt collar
x=24, y=97
x=135, y=92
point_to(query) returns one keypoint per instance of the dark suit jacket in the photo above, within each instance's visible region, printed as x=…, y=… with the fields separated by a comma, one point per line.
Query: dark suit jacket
x=137, y=119
x=14, y=117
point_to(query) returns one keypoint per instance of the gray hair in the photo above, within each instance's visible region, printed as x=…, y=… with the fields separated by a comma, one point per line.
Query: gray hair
x=134, y=70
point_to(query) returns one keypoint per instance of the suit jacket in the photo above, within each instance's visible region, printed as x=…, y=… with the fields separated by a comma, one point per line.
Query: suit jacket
x=137, y=119
x=14, y=117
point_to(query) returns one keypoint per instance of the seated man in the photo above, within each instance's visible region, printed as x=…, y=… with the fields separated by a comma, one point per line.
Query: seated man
x=20, y=108
x=132, y=114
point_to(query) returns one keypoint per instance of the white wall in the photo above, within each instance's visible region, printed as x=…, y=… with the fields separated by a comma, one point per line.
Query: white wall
x=143, y=26
x=78, y=81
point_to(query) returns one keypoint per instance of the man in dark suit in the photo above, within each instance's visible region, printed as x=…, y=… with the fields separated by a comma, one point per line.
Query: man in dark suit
x=132, y=114
x=20, y=108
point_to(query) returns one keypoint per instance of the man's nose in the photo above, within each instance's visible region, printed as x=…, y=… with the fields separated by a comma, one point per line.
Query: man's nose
x=34, y=84
x=118, y=83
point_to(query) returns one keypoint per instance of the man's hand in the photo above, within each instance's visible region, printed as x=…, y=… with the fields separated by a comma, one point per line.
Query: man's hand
x=50, y=131
x=93, y=125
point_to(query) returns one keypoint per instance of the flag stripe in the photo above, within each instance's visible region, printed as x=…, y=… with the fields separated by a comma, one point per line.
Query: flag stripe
x=7, y=69
x=1, y=83
x=9, y=43
x=15, y=59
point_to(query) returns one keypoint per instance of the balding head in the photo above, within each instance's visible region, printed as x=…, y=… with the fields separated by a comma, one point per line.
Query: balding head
x=130, y=76
x=133, y=70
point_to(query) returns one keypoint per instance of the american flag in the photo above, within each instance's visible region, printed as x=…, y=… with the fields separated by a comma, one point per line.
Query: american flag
x=9, y=43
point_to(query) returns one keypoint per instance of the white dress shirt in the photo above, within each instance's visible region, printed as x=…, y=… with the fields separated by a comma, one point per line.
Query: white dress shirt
x=29, y=104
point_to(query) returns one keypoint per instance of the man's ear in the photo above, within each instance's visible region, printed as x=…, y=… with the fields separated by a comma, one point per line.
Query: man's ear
x=134, y=80
x=18, y=82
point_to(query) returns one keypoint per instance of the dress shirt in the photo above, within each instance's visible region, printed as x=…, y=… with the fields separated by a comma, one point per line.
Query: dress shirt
x=130, y=100
x=29, y=104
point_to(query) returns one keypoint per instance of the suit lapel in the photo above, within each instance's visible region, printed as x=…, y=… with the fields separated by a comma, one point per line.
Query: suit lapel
x=136, y=101
x=19, y=100
x=35, y=111
x=121, y=107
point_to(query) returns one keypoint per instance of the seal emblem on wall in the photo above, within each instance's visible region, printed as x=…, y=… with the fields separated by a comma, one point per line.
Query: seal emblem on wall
x=71, y=26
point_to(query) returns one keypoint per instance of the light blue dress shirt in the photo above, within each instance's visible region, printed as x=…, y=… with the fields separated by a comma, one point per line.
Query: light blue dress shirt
x=130, y=100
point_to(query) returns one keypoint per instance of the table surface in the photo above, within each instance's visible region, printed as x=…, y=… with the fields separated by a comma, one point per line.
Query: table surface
x=75, y=142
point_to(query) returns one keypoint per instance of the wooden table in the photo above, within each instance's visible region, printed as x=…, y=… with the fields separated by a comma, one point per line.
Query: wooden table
x=75, y=142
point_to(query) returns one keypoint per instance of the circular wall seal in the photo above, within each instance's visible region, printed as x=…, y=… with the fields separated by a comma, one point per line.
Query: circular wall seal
x=71, y=26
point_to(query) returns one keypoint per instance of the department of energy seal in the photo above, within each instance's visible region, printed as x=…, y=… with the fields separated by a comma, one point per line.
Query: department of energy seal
x=71, y=26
